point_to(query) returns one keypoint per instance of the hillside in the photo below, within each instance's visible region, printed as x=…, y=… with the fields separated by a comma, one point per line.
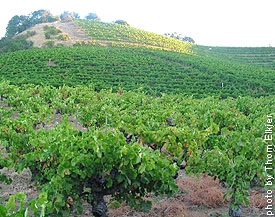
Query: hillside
x=120, y=34
x=106, y=117
x=115, y=56
x=259, y=56
x=133, y=67
x=96, y=32
x=74, y=32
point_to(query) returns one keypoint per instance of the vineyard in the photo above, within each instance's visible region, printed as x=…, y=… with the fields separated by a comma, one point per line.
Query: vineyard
x=130, y=143
x=127, y=113
x=121, y=33
x=260, y=56
x=131, y=67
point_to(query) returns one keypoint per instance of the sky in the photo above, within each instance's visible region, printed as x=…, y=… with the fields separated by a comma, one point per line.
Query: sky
x=235, y=23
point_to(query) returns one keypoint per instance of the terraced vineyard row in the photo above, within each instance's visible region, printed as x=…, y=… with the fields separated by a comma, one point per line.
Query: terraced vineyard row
x=122, y=33
x=131, y=67
x=130, y=143
x=260, y=56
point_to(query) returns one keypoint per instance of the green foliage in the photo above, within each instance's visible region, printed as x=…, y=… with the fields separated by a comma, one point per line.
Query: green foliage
x=18, y=24
x=87, y=43
x=92, y=159
x=60, y=45
x=4, y=162
x=178, y=36
x=48, y=44
x=47, y=35
x=123, y=33
x=120, y=150
x=76, y=15
x=63, y=37
x=131, y=67
x=51, y=30
x=30, y=33
x=42, y=16
x=36, y=205
x=260, y=56
x=92, y=16
x=122, y=22
x=14, y=44
x=188, y=39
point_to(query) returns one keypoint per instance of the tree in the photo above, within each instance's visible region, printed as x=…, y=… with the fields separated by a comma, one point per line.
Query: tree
x=16, y=25
x=76, y=15
x=42, y=16
x=92, y=16
x=19, y=24
x=178, y=36
x=188, y=39
x=67, y=16
x=14, y=44
x=122, y=22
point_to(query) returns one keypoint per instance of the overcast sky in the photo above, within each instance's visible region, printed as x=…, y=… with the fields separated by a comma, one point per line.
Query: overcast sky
x=208, y=22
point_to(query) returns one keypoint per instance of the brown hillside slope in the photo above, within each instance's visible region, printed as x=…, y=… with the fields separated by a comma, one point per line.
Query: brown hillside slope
x=71, y=29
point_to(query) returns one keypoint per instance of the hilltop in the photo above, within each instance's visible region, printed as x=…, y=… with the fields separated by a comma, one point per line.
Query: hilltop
x=110, y=55
x=93, y=32
x=71, y=29
x=102, y=33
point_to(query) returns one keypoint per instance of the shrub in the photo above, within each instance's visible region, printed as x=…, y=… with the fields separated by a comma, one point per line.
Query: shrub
x=47, y=35
x=46, y=27
x=14, y=44
x=59, y=45
x=51, y=30
x=48, y=44
x=63, y=37
x=30, y=33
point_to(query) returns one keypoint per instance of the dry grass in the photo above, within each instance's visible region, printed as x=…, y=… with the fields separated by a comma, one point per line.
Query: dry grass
x=203, y=191
x=258, y=201
x=173, y=208
x=161, y=207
